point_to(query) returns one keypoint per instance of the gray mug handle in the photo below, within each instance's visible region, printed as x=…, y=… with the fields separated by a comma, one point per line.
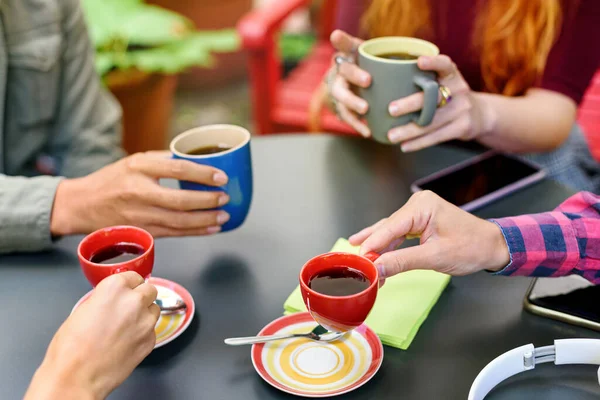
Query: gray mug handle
x=430, y=102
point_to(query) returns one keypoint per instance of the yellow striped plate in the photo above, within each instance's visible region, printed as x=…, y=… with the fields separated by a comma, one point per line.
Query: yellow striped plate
x=314, y=369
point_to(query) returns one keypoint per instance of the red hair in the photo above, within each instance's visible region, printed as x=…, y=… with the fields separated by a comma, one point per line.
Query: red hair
x=514, y=37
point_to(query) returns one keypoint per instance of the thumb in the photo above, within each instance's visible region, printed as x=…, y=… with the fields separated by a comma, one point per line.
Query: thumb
x=407, y=259
x=344, y=42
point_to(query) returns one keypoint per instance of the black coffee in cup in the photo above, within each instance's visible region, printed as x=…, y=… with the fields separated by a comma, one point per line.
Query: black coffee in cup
x=339, y=280
x=212, y=149
x=397, y=55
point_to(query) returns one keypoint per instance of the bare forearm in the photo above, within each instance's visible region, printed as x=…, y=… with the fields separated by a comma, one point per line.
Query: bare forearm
x=537, y=122
x=48, y=384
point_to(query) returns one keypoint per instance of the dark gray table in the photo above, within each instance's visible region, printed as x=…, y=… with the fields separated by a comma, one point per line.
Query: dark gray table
x=308, y=192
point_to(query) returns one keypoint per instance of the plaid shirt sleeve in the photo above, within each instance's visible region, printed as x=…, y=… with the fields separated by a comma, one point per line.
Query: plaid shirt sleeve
x=563, y=242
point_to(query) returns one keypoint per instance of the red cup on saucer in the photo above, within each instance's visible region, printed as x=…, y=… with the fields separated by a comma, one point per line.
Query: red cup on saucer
x=111, y=239
x=340, y=313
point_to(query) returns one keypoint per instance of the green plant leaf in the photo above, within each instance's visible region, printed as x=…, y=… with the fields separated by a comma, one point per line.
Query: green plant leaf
x=168, y=42
x=172, y=58
x=133, y=22
x=104, y=63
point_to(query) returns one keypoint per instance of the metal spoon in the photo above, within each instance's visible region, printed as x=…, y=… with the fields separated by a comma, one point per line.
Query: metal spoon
x=319, y=334
x=171, y=305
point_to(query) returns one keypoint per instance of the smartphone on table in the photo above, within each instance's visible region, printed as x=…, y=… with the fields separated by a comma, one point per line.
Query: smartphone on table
x=571, y=299
x=481, y=180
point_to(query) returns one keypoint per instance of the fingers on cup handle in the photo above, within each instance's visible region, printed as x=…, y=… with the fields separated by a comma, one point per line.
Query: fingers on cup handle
x=422, y=257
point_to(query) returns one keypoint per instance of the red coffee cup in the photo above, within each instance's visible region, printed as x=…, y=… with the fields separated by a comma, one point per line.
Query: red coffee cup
x=112, y=236
x=340, y=313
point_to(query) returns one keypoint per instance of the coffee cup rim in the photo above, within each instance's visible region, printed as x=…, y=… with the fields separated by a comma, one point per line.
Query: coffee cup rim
x=115, y=228
x=383, y=39
x=304, y=285
x=197, y=129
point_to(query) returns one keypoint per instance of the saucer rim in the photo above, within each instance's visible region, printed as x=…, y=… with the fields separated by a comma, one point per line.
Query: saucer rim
x=258, y=348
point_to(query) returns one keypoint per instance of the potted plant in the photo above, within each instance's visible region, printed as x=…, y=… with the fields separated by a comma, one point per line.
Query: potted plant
x=140, y=49
x=211, y=15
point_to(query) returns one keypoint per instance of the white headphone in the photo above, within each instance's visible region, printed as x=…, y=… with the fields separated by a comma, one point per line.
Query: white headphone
x=524, y=358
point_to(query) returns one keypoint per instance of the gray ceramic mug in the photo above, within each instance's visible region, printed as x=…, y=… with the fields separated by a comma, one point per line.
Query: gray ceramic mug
x=394, y=79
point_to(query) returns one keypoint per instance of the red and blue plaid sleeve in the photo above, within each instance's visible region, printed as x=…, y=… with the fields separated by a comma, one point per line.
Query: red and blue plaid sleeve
x=563, y=242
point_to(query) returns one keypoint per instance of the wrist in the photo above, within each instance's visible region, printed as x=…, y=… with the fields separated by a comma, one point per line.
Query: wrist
x=53, y=381
x=486, y=115
x=499, y=255
x=64, y=219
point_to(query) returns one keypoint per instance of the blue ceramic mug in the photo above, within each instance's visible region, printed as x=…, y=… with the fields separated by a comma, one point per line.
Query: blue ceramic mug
x=235, y=162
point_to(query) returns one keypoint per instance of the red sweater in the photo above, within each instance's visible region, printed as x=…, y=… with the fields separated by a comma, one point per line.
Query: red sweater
x=571, y=62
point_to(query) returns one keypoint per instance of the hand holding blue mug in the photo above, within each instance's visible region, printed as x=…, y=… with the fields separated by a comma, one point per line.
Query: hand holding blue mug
x=227, y=148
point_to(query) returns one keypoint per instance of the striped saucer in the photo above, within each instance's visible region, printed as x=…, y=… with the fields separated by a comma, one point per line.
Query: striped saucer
x=313, y=369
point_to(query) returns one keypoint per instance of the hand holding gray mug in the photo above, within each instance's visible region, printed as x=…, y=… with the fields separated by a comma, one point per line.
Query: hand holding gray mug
x=417, y=101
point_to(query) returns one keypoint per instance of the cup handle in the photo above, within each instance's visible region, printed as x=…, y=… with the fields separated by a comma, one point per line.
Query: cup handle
x=430, y=102
x=119, y=270
x=372, y=256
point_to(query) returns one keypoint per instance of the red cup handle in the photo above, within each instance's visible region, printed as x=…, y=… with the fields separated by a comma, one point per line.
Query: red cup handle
x=372, y=256
x=119, y=270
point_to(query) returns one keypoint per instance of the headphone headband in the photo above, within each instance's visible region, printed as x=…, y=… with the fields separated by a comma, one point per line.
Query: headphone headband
x=524, y=358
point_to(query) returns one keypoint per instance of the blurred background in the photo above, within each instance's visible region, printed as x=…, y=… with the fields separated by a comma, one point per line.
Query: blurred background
x=178, y=64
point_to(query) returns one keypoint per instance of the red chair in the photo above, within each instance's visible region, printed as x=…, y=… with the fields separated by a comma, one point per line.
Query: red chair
x=284, y=105
x=588, y=116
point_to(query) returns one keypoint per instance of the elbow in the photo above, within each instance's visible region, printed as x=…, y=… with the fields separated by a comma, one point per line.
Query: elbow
x=558, y=137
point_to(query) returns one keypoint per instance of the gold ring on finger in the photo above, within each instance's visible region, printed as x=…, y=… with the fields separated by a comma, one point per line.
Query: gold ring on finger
x=446, y=96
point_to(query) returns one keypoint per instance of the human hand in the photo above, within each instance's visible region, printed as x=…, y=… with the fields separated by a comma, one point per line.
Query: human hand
x=101, y=343
x=127, y=192
x=452, y=241
x=465, y=117
x=348, y=105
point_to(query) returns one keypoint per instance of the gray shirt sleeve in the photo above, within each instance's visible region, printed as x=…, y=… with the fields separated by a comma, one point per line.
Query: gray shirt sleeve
x=87, y=133
x=25, y=208
x=86, y=137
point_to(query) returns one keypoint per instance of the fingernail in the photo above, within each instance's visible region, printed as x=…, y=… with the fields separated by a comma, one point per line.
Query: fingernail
x=394, y=136
x=425, y=60
x=220, y=178
x=363, y=107
x=213, y=229
x=222, y=217
x=364, y=78
x=223, y=199
x=365, y=131
x=406, y=148
x=393, y=109
x=381, y=270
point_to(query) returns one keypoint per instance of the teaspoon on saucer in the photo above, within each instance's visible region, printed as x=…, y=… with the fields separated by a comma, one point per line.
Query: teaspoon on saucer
x=171, y=305
x=319, y=334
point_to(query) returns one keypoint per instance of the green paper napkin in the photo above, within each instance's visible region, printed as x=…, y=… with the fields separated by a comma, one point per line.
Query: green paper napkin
x=402, y=304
